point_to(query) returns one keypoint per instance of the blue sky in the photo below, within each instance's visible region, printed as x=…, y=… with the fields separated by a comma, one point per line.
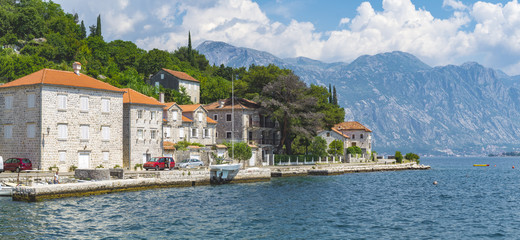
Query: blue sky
x=439, y=32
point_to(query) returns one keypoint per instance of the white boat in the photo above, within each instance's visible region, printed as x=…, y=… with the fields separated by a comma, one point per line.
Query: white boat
x=6, y=191
x=223, y=173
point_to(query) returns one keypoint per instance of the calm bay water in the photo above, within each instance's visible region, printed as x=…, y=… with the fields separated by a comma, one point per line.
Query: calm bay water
x=468, y=203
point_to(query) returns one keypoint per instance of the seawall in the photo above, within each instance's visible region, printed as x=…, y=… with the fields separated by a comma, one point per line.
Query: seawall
x=185, y=178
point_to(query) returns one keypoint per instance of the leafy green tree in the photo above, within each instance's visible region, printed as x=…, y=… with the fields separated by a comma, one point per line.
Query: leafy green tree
x=319, y=147
x=300, y=145
x=242, y=151
x=336, y=148
x=285, y=101
x=354, y=150
x=125, y=54
x=334, y=97
x=153, y=61
x=251, y=83
x=411, y=157
x=214, y=88
x=398, y=157
x=82, y=31
x=332, y=114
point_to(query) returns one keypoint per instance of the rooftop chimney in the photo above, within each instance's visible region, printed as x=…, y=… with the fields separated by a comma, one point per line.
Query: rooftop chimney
x=220, y=103
x=76, y=66
x=161, y=97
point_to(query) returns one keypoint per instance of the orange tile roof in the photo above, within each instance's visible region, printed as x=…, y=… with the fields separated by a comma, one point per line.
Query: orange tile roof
x=63, y=78
x=169, y=105
x=338, y=132
x=186, y=119
x=239, y=103
x=181, y=75
x=351, y=126
x=210, y=120
x=189, y=108
x=168, y=145
x=220, y=146
x=135, y=97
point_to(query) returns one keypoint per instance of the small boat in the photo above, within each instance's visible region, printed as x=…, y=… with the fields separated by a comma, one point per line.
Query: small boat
x=480, y=165
x=223, y=173
x=6, y=191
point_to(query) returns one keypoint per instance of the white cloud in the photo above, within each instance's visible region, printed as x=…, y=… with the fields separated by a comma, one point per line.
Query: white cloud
x=457, y=5
x=118, y=24
x=344, y=21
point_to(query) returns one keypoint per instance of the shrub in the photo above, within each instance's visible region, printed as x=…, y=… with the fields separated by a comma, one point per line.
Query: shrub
x=137, y=166
x=398, y=157
x=100, y=166
x=116, y=166
x=72, y=168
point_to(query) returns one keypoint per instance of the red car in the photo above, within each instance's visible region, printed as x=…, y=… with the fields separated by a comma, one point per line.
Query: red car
x=17, y=164
x=159, y=163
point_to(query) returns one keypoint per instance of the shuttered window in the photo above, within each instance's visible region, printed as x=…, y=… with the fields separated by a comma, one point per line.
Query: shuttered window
x=84, y=132
x=105, y=105
x=106, y=156
x=31, y=130
x=63, y=131
x=62, y=155
x=8, y=131
x=105, y=132
x=200, y=117
x=175, y=116
x=139, y=133
x=181, y=132
x=31, y=100
x=62, y=102
x=8, y=100
x=83, y=104
x=167, y=132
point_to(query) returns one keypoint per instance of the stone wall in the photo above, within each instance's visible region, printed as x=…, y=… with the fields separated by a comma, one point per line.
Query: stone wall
x=19, y=117
x=95, y=146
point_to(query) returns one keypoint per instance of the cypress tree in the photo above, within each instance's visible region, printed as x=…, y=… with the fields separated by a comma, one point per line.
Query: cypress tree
x=83, y=31
x=190, y=51
x=330, y=94
x=334, y=97
x=98, y=26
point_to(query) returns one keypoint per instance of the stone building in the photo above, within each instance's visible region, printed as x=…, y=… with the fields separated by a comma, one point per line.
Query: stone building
x=174, y=127
x=359, y=135
x=249, y=126
x=63, y=119
x=174, y=80
x=142, y=128
x=334, y=134
x=200, y=128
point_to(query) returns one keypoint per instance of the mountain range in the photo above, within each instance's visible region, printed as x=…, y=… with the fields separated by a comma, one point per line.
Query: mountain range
x=409, y=105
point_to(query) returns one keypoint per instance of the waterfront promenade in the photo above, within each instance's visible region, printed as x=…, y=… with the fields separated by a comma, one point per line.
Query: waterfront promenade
x=32, y=190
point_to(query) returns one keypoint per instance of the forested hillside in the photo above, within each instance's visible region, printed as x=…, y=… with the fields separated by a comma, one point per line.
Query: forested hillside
x=35, y=34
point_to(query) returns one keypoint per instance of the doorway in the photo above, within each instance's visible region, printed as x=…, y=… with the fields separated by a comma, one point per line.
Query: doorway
x=84, y=160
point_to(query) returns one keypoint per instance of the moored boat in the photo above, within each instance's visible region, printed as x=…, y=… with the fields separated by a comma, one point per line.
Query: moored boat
x=223, y=173
x=6, y=191
x=480, y=165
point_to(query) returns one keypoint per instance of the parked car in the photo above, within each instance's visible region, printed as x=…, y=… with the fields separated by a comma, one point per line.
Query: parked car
x=190, y=163
x=159, y=163
x=1, y=164
x=17, y=164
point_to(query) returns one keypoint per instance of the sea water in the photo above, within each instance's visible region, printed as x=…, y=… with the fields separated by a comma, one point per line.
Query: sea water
x=467, y=203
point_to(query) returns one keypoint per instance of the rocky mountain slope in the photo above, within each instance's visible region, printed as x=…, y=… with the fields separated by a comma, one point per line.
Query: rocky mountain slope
x=410, y=106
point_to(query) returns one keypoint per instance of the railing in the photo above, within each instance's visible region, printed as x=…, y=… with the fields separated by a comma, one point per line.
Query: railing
x=287, y=160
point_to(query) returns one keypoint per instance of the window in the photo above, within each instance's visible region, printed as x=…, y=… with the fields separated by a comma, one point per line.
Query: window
x=216, y=134
x=228, y=134
x=200, y=116
x=105, y=132
x=167, y=132
x=105, y=105
x=139, y=133
x=353, y=136
x=194, y=132
x=63, y=132
x=215, y=117
x=31, y=100
x=228, y=117
x=175, y=116
x=31, y=130
x=62, y=155
x=157, y=84
x=62, y=102
x=206, y=133
x=84, y=132
x=83, y=104
x=361, y=136
x=8, y=131
x=152, y=115
x=106, y=156
x=8, y=102
x=139, y=113
x=181, y=132
x=250, y=136
x=162, y=76
x=153, y=134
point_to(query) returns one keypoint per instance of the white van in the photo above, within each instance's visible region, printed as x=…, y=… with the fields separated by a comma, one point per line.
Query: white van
x=1, y=164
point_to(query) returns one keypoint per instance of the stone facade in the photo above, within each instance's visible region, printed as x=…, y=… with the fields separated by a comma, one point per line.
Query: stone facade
x=201, y=130
x=143, y=133
x=174, y=80
x=53, y=135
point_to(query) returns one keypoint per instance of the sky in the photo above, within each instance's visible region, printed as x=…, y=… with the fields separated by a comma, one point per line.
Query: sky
x=439, y=32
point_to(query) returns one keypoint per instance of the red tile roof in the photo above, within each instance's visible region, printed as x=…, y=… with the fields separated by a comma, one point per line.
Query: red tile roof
x=351, y=126
x=168, y=145
x=210, y=120
x=181, y=75
x=189, y=108
x=338, y=132
x=63, y=78
x=186, y=119
x=240, y=103
x=135, y=97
